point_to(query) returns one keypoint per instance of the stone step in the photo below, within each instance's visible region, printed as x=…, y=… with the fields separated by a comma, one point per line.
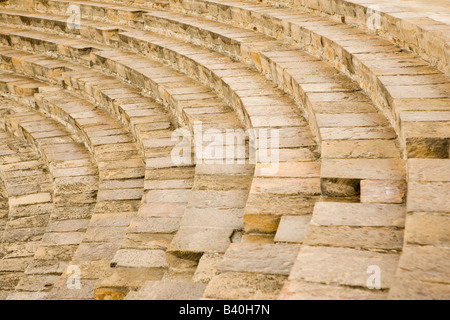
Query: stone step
x=357, y=225
x=266, y=264
x=394, y=100
x=367, y=236
x=168, y=290
x=244, y=286
x=259, y=258
x=302, y=290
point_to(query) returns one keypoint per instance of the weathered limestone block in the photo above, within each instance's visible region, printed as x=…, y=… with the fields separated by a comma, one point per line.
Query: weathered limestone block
x=409, y=289
x=201, y=239
x=168, y=290
x=425, y=263
x=428, y=229
x=139, y=258
x=207, y=267
x=371, y=149
x=358, y=214
x=428, y=196
x=381, y=191
x=259, y=258
x=292, y=229
x=355, y=237
x=343, y=266
x=244, y=286
x=299, y=290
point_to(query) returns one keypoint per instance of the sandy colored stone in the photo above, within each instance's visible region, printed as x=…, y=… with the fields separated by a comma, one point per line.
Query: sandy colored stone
x=207, y=267
x=343, y=266
x=168, y=290
x=36, y=282
x=201, y=239
x=300, y=290
x=213, y=217
x=30, y=199
x=244, y=286
x=139, y=258
x=409, y=289
x=259, y=258
x=364, y=169
x=355, y=237
x=429, y=169
x=371, y=149
x=154, y=225
x=292, y=229
x=380, y=191
x=424, y=263
x=428, y=229
x=130, y=278
x=95, y=252
x=358, y=214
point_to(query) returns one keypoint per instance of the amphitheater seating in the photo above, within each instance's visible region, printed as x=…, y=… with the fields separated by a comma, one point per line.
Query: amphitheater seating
x=362, y=179
x=28, y=208
x=72, y=169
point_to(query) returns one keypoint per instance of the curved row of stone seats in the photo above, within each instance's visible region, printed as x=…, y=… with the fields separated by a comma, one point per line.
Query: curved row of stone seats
x=200, y=187
x=74, y=191
x=121, y=173
x=417, y=25
x=29, y=217
x=167, y=185
x=262, y=213
x=30, y=191
x=279, y=193
x=141, y=255
x=424, y=142
x=388, y=225
x=254, y=109
x=425, y=147
x=429, y=138
x=205, y=182
x=410, y=92
x=306, y=142
x=277, y=57
x=29, y=208
x=388, y=229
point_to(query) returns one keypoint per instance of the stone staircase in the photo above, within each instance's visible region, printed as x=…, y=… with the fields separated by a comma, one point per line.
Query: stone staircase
x=355, y=112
